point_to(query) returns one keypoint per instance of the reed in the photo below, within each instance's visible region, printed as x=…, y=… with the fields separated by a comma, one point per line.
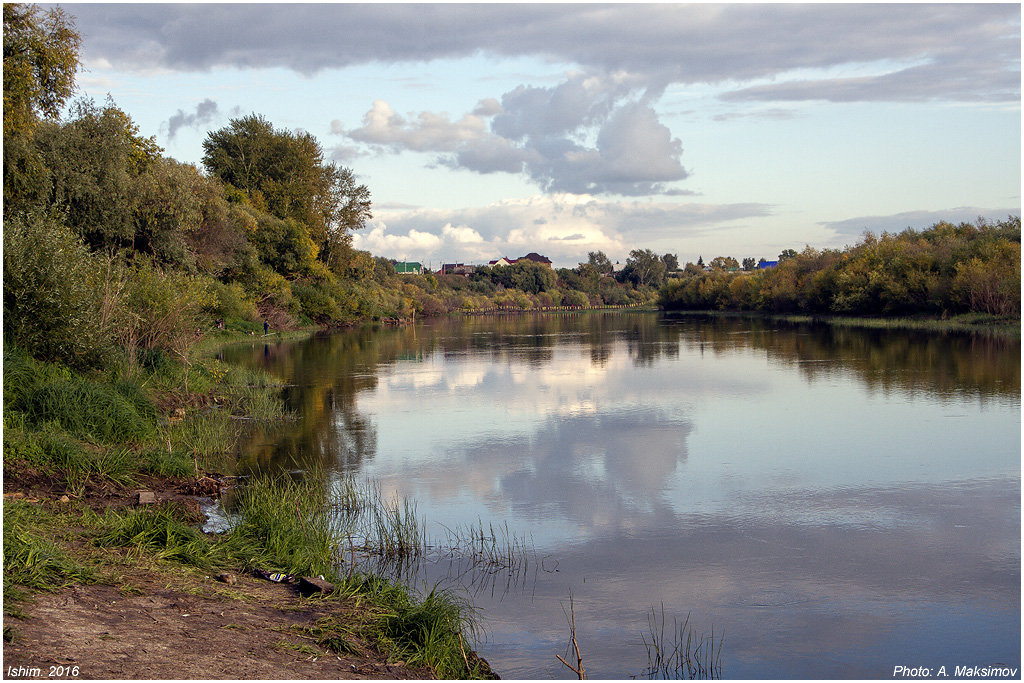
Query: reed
x=680, y=653
x=395, y=531
x=490, y=547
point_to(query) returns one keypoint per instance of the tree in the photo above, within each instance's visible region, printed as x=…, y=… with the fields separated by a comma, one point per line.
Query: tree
x=95, y=162
x=40, y=62
x=671, y=262
x=724, y=263
x=645, y=267
x=749, y=263
x=284, y=173
x=600, y=261
x=787, y=254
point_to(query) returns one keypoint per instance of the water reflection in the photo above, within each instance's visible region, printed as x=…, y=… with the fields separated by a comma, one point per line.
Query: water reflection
x=804, y=488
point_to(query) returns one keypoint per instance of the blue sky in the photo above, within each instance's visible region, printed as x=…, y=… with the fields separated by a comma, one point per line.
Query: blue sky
x=697, y=129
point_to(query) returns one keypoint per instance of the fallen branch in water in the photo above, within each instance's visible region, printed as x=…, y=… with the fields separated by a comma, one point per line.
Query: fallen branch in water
x=578, y=669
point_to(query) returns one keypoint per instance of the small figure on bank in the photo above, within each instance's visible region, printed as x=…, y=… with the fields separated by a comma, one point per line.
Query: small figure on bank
x=266, y=328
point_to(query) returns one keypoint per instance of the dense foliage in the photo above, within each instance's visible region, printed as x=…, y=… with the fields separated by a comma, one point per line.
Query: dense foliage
x=945, y=269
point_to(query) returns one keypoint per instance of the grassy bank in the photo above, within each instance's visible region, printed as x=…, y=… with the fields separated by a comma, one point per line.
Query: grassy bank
x=77, y=445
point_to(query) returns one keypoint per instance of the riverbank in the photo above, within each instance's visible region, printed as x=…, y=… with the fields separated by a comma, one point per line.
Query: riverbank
x=974, y=323
x=105, y=566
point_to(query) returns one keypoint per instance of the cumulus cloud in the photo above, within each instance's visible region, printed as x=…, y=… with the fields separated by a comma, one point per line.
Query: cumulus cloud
x=206, y=111
x=544, y=133
x=961, y=51
x=428, y=132
x=563, y=227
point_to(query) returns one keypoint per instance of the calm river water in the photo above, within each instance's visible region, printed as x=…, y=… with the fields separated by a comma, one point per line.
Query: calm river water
x=834, y=502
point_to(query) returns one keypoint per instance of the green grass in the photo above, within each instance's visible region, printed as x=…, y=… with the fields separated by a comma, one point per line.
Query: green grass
x=160, y=531
x=66, y=459
x=427, y=632
x=31, y=557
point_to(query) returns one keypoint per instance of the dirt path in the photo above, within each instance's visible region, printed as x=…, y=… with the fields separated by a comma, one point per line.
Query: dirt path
x=181, y=624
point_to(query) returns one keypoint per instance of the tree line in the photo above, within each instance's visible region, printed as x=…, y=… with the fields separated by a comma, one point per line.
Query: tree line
x=943, y=270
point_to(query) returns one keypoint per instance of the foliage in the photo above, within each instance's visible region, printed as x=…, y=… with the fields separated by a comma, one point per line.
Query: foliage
x=51, y=304
x=645, y=268
x=943, y=270
x=284, y=174
x=40, y=63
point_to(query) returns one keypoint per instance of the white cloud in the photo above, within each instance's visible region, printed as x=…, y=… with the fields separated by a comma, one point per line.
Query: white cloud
x=563, y=227
x=544, y=133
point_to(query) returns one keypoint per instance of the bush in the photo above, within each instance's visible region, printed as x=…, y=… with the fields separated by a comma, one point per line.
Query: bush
x=231, y=301
x=317, y=305
x=51, y=297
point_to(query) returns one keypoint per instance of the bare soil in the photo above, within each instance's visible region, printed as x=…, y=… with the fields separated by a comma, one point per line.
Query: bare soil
x=155, y=627
x=149, y=619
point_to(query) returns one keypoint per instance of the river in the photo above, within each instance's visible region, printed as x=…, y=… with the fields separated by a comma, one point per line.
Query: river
x=829, y=502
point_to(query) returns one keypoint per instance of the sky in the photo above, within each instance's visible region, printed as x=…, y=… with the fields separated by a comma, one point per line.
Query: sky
x=484, y=130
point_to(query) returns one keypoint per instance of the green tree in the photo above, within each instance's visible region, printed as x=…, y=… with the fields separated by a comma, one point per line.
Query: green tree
x=284, y=173
x=95, y=161
x=40, y=63
x=645, y=268
x=724, y=263
x=787, y=254
x=671, y=262
x=600, y=262
x=749, y=263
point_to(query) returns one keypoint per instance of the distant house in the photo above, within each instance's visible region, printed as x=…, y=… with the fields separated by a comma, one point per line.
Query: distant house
x=536, y=258
x=409, y=268
x=532, y=257
x=762, y=264
x=457, y=269
x=618, y=267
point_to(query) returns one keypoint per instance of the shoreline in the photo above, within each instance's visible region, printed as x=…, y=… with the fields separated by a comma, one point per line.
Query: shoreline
x=994, y=326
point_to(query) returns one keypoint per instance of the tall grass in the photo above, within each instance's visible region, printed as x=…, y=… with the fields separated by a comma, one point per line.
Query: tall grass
x=160, y=531
x=288, y=523
x=67, y=460
x=681, y=653
x=108, y=413
x=428, y=632
x=33, y=560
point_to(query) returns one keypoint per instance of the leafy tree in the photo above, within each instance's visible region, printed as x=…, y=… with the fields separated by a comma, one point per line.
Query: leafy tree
x=749, y=263
x=95, y=161
x=724, y=263
x=644, y=267
x=284, y=173
x=600, y=262
x=40, y=63
x=671, y=262
x=787, y=254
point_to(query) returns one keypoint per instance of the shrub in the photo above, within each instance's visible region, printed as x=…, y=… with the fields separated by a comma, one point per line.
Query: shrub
x=51, y=301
